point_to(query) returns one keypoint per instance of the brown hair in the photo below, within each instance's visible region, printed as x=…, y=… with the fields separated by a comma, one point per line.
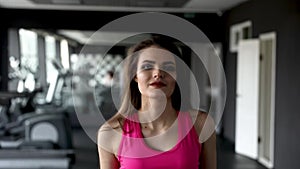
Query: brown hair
x=131, y=96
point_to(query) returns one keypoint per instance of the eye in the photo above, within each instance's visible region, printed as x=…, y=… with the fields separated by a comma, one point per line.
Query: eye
x=169, y=68
x=146, y=66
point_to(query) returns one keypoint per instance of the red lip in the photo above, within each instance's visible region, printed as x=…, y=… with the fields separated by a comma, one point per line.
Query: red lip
x=157, y=84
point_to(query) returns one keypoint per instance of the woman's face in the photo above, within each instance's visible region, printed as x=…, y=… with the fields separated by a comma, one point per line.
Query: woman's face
x=156, y=72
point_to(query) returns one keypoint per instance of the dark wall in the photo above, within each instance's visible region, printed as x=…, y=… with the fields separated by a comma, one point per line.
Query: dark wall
x=3, y=55
x=282, y=16
x=52, y=20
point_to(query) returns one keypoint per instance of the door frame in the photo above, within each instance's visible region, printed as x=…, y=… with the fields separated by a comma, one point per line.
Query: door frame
x=261, y=159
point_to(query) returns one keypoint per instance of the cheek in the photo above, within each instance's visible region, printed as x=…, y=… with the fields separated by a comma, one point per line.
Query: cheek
x=173, y=85
x=141, y=79
x=171, y=78
x=172, y=82
x=171, y=75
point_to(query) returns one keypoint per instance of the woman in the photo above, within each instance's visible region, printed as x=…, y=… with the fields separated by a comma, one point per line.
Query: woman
x=150, y=131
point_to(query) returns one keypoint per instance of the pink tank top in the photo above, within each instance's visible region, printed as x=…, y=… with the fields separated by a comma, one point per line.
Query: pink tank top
x=134, y=153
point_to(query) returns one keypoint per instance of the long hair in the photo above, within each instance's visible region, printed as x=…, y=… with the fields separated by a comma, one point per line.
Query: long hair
x=131, y=96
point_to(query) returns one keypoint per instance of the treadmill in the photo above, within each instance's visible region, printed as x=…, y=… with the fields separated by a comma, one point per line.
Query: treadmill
x=47, y=141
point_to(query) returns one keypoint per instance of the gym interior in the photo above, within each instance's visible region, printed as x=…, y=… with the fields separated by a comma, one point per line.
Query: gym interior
x=57, y=86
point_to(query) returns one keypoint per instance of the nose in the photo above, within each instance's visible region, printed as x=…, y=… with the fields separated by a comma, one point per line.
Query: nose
x=157, y=73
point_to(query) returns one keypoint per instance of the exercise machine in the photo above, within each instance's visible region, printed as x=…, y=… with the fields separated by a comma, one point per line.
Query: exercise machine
x=45, y=142
x=38, y=136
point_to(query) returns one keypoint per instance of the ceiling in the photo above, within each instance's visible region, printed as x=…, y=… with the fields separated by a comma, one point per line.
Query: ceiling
x=83, y=37
x=125, y=5
x=99, y=38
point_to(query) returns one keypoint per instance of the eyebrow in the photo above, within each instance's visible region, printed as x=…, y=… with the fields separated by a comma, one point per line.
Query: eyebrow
x=169, y=62
x=153, y=62
x=149, y=61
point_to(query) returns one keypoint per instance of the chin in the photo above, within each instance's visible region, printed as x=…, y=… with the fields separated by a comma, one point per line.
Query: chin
x=158, y=94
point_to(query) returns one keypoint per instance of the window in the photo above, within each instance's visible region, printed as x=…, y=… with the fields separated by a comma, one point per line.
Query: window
x=29, y=59
x=50, y=47
x=238, y=32
x=64, y=53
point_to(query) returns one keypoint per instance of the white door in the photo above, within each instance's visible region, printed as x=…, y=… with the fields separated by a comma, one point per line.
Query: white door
x=267, y=99
x=246, y=139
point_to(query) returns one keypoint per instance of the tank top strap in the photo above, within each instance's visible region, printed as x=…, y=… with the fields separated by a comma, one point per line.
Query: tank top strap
x=185, y=124
x=131, y=127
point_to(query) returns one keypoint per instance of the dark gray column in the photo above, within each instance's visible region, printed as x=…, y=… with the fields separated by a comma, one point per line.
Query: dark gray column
x=42, y=79
x=4, y=58
x=15, y=51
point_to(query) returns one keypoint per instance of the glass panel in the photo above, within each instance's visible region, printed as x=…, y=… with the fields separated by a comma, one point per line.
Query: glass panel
x=50, y=58
x=64, y=47
x=29, y=58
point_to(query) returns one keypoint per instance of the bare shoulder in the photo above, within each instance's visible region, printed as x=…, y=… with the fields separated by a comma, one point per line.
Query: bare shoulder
x=203, y=123
x=112, y=124
x=199, y=118
x=109, y=136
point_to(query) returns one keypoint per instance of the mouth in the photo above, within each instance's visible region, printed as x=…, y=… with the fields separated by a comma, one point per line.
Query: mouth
x=158, y=84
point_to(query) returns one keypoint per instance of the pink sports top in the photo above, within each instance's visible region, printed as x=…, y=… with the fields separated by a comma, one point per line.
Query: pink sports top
x=134, y=153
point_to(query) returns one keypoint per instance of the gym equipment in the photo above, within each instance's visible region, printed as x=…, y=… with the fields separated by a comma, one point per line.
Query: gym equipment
x=45, y=142
x=38, y=139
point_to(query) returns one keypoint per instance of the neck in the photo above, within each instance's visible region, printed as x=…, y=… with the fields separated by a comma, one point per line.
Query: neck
x=157, y=113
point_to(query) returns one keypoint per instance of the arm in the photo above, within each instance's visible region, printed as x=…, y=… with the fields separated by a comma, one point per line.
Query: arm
x=107, y=141
x=107, y=159
x=208, y=156
x=205, y=127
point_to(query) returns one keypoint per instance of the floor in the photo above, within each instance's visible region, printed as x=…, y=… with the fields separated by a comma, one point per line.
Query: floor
x=87, y=157
x=227, y=159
